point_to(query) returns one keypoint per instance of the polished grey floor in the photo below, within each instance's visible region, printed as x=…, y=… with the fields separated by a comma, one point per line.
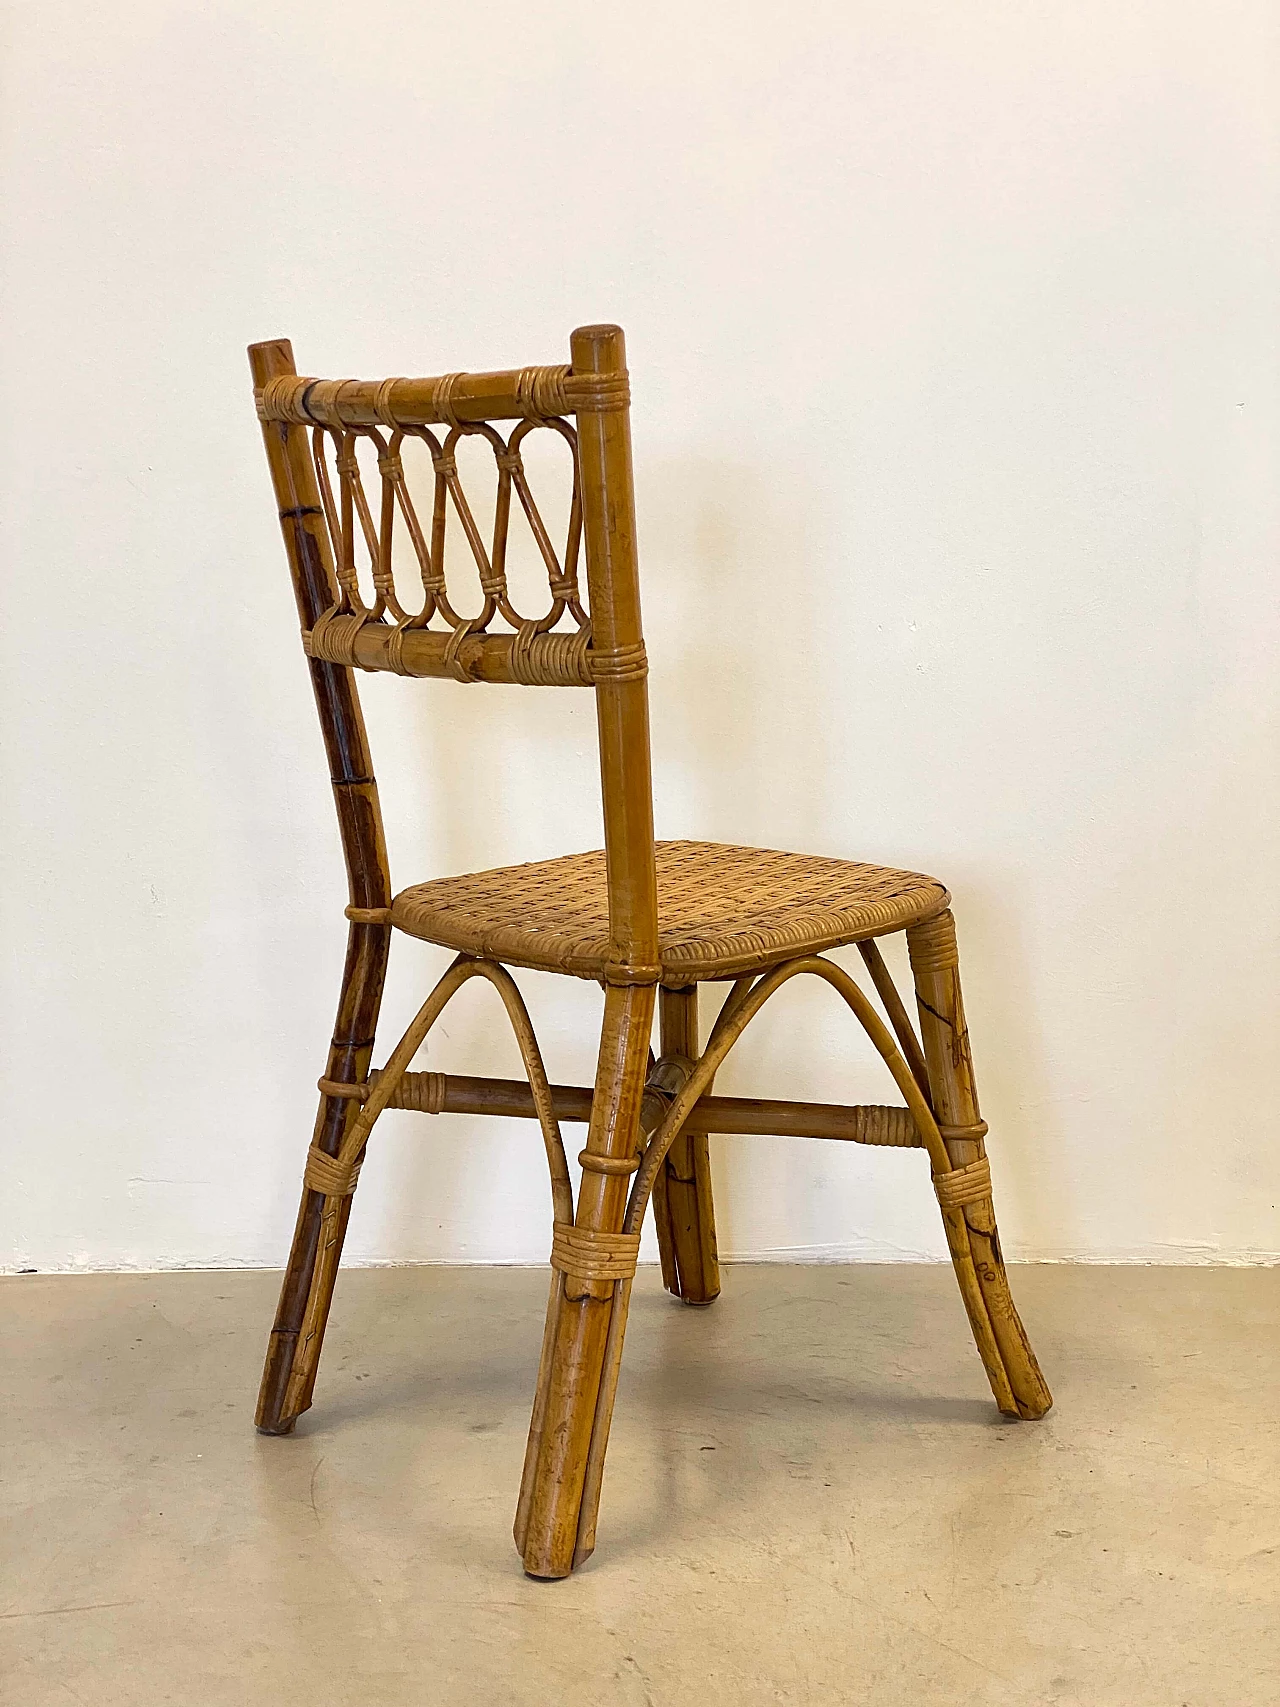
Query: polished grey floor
x=810, y=1498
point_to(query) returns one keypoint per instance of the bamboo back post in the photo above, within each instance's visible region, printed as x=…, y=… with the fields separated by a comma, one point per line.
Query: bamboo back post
x=650, y=921
x=355, y=795
x=682, y=1206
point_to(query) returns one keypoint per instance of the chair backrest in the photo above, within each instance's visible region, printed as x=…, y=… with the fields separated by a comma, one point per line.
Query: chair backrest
x=312, y=427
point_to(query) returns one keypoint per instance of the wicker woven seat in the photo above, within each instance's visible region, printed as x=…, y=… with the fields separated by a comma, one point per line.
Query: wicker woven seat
x=650, y=920
x=722, y=910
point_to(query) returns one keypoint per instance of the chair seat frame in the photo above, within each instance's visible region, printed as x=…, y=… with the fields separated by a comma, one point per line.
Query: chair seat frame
x=648, y=1120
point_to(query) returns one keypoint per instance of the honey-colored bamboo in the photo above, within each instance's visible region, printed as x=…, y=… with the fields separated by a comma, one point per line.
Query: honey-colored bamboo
x=894, y=1008
x=308, y=1280
x=1015, y=1376
x=589, y=1309
x=513, y=394
x=670, y=1074
x=456, y=1093
x=683, y=1212
x=650, y=921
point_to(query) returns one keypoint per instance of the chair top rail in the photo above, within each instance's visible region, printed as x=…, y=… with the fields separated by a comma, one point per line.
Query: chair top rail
x=452, y=399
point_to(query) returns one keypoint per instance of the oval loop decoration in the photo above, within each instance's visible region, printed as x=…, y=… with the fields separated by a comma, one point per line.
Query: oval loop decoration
x=359, y=529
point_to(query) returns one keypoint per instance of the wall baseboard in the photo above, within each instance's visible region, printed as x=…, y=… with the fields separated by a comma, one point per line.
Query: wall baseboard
x=1157, y=1256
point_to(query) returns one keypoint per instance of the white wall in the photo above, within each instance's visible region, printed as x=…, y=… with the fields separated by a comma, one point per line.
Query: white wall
x=953, y=340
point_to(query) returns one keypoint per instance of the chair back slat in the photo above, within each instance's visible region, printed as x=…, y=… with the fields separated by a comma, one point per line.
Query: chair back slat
x=356, y=530
x=342, y=531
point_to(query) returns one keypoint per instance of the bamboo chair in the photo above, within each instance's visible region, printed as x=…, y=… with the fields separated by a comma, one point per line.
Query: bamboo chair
x=649, y=921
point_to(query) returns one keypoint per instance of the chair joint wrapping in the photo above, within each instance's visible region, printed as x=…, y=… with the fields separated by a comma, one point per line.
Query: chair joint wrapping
x=547, y=660
x=328, y=1175
x=971, y=1134
x=624, y=664
x=368, y=915
x=598, y=393
x=964, y=1185
x=582, y=1253
x=619, y=1165
x=891, y=1127
x=422, y=1092
x=931, y=945
x=541, y=391
x=343, y=1091
x=333, y=637
x=630, y=972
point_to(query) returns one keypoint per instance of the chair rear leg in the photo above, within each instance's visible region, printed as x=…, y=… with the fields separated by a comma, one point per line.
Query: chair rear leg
x=965, y=1194
x=582, y=1347
x=297, y=1335
x=683, y=1213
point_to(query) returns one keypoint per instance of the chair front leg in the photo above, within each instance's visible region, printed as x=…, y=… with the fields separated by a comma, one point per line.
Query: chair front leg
x=582, y=1345
x=683, y=1212
x=293, y=1352
x=965, y=1193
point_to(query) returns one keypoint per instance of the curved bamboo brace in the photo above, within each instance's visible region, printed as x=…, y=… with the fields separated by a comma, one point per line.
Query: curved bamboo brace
x=737, y=995
x=741, y=1009
x=903, y=1029
x=344, y=1165
x=457, y=975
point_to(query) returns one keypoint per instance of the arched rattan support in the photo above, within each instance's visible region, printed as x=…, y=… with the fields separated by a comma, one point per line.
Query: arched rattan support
x=737, y=995
x=744, y=1002
x=463, y=969
x=345, y=1163
x=740, y=1009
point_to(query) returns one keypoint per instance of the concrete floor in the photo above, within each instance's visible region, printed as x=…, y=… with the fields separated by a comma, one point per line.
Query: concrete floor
x=810, y=1498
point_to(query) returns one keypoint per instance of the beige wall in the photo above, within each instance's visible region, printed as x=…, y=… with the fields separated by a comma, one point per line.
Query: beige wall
x=953, y=337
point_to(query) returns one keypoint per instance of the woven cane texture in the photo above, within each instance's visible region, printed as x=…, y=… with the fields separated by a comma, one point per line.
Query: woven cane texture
x=722, y=911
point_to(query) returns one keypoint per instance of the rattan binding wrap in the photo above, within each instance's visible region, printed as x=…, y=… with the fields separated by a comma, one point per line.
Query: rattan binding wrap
x=966, y=1185
x=617, y=1166
x=583, y=1254
x=888, y=1126
x=423, y=1092
x=931, y=946
x=325, y=1174
x=972, y=1132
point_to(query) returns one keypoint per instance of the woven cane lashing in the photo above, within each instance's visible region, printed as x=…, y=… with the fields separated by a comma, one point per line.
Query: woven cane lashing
x=368, y=915
x=423, y=1092
x=973, y=1133
x=889, y=1126
x=932, y=946
x=342, y=1090
x=616, y=1166
x=550, y=660
x=627, y=664
x=333, y=639
x=722, y=910
x=964, y=1185
x=325, y=1173
x=583, y=1254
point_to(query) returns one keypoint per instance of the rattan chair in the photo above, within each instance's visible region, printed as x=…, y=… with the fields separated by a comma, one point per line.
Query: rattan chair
x=648, y=921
